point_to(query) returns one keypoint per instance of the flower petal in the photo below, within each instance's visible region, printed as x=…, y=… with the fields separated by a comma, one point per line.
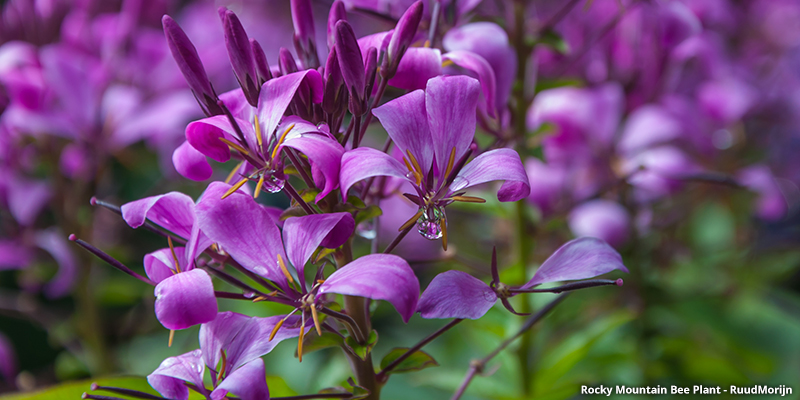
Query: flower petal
x=302, y=235
x=580, y=258
x=277, y=93
x=451, y=103
x=456, y=294
x=243, y=228
x=603, y=219
x=378, y=277
x=365, y=162
x=160, y=265
x=173, y=211
x=324, y=153
x=53, y=242
x=168, y=378
x=191, y=163
x=417, y=66
x=481, y=68
x=405, y=120
x=247, y=383
x=185, y=299
x=499, y=164
x=204, y=135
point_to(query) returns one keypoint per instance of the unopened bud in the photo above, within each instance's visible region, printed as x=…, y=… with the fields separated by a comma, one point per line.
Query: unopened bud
x=401, y=39
x=351, y=64
x=241, y=55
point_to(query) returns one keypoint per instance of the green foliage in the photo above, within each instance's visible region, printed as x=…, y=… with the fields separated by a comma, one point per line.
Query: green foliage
x=417, y=361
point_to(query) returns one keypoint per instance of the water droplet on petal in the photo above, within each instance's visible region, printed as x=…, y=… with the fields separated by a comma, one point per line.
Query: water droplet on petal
x=366, y=229
x=429, y=224
x=249, y=295
x=273, y=183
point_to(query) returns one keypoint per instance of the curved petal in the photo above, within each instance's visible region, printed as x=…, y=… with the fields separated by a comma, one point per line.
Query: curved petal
x=456, y=294
x=600, y=218
x=173, y=211
x=247, y=383
x=277, y=94
x=191, y=163
x=26, y=199
x=243, y=228
x=169, y=377
x=405, y=120
x=581, y=258
x=302, y=235
x=236, y=334
x=481, y=68
x=204, y=135
x=494, y=165
x=160, y=265
x=324, y=153
x=378, y=277
x=185, y=299
x=52, y=241
x=417, y=66
x=365, y=162
x=14, y=255
x=451, y=103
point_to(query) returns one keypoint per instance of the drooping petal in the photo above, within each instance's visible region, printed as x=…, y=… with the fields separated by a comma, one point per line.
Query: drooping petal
x=160, y=264
x=495, y=165
x=365, y=162
x=243, y=338
x=378, y=277
x=324, y=153
x=185, y=299
x=481, y=68
x=277, y=94
x=54, y=242
x=204, y=135
x=405, y=120
x=173, y=211
x=581, y=258
x=247, y=383
x=456, y=294
x=168, y=379
x=302, y=235
x=243, y=228
x=191, y=163
x=451, y=102
x=417, y=66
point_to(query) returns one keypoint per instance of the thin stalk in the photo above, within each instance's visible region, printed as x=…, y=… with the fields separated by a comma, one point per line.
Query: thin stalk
x=345, y=395
x=383, y=374
x=571, y=286
x=477, y=366
x=300, y=167
x=289, y=189
x=397, y=240
x=368, y=116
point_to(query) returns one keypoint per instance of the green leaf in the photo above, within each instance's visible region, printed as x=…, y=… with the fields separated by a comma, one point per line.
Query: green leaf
x=361, y=350
x=356, y=201
x=74, y=389
x=416, y=362
x=295, y=211
x=314, y=342
x=309, y=195
x=368, y=214
x=553, y=40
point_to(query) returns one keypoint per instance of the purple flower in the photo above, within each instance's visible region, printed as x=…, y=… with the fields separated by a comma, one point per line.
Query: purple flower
x=603, y=219
x=771, y=204
x=434, y=130
x=456, y=294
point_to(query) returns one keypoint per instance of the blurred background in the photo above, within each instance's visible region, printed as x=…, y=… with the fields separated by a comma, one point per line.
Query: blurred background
x=667, y=128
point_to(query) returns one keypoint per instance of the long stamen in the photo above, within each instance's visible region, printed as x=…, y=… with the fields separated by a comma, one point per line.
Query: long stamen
x=258, y=186
x=171, y=337
x=224, y=365
x=280, y=141
x=279, y=325
x=238, y=148
x=300, y=339
x=468, y=199
x=450, y=163
x=258, y=131
x=284, y=269
x=417, y=169
x=411, y=221
x=174, y=256
x=235, y=187
x=315, y=317
x=233, y=172
x=443, y=224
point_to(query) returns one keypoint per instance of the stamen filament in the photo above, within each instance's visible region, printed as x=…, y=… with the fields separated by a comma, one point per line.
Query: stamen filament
x=279, y=324
x=468, y=199
x=300, y=339
x=280, y=141
x=258, y=186
x=411, y=221
x=315, y=317
x=233, y=172
x=224, y=365
x=450, y=163
x=238, y=148
x=258, y=131
x=171, y=337
x=174, y=256
x=235, y=187
x=414, y=162
x=443, y=224
x=284, y=269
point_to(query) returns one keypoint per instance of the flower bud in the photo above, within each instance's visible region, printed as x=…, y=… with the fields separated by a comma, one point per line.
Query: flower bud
x=337, y=14
x=286, y=62
x=185, y=55
x=335, y=94
x=241, y=55
x=303, y=19
x=262, y=66
x=351, y=64
x=370, y=70
x=401, y=38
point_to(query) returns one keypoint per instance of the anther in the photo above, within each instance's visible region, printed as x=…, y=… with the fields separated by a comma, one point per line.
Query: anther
x=238, y=148
x=174, y=256
x=235, y=187
x=443, y=224
x=284, y=269
x=468, y=199
x=411, y=221
x=171, y=337
x=280, y=141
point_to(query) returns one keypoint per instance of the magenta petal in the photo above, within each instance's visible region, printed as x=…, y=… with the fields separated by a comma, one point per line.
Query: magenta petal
x=173, y=211
x=495, y=165
x=26, y=199
x=417, y=66
x=378, y=277
x=481, y=68
x=603, y=219
x=302, y=235
x=277, y=93
x=185, y=299
x=647, y=126
x=169, y=377
x=204, y=136
x=771, y=203
x=324, y=153
x=243, y=228
x=14, y=255
x=191, y=163
x=581, y=258
x=54, y=242
x=456, y=294
x=365, y=162
x=249, y=382
x=405, y=120
x=243, y=338
x=451, y=102
x=160, y=265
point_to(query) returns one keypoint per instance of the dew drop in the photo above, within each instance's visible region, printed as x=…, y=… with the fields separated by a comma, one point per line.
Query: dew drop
x=429, y=224
x=273, y=183
x=366, y=229
x=249, y=295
